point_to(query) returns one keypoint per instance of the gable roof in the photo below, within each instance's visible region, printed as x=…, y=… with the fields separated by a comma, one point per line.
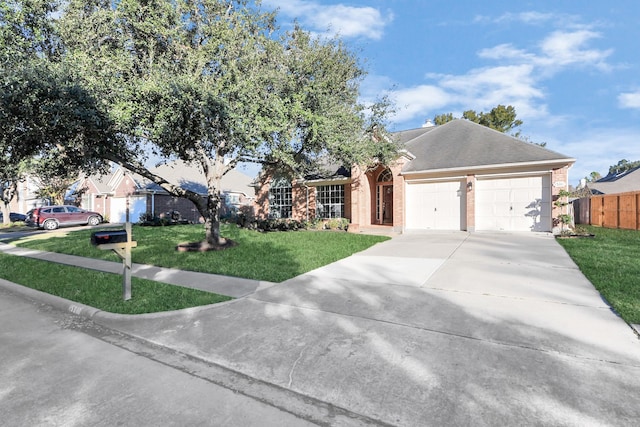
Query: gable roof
x=190, y=177
x=462, y=144
x=404, y=137
x=617, y=183
x=100, y=182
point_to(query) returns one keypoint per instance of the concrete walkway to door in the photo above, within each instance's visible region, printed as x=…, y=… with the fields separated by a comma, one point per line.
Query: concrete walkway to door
x=427, y=329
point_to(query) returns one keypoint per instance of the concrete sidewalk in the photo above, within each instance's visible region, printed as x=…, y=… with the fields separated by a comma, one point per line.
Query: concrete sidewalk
x=426, y=329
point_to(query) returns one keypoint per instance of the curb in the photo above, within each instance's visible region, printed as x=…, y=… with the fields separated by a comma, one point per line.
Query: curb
x=52, y=300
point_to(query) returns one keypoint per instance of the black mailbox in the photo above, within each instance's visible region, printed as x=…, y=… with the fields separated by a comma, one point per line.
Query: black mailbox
x=111, y=236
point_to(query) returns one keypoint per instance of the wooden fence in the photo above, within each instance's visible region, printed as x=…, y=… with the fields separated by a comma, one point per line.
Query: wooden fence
x=609, y=210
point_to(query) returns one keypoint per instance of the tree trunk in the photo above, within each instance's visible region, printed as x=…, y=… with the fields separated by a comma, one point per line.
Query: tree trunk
x=212, y=221
x=213, y=170
x=6, y=219
x=9, y=192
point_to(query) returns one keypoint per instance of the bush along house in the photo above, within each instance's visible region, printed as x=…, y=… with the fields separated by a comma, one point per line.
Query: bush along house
x=456, y=176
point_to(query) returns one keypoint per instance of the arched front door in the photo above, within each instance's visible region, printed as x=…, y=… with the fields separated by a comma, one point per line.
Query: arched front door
x=384, y=197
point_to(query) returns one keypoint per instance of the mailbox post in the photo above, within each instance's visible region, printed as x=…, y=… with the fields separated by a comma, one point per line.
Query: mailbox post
x=119, y=241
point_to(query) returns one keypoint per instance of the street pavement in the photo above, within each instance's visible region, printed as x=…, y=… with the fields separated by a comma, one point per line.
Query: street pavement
x=439, y=328
x=58, y=369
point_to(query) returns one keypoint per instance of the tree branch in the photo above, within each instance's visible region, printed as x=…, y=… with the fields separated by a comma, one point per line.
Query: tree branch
x=174, y=190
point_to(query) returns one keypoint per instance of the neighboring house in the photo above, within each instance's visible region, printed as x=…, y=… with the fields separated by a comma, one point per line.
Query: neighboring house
x=457, y=176
x=108, y=194
x=624, y=182
x=27, y=198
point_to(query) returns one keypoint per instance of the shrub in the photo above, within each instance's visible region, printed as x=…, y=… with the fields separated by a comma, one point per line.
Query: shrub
x=149, y=220
x=282, y=224
x=338, y=224
x=278, y=225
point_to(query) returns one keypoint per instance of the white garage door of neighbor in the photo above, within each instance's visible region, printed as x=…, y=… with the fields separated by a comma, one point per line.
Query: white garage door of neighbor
x=137, y=206
x=514, y=204
x=436, y=205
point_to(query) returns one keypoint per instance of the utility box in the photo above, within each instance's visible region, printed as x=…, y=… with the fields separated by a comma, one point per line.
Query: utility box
x=108, y=237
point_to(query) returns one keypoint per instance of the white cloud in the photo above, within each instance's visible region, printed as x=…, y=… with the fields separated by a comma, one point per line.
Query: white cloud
x=505, y=51
x=629, y=100
x=558, y=51
x=347, y=21
x=528, y=18
x=414, y=102
x=564, y=48
x=517, y=79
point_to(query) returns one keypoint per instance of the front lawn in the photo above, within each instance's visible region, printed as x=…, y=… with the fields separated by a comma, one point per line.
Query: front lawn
x=101, y=290
x=273, y=257
x=611, y=261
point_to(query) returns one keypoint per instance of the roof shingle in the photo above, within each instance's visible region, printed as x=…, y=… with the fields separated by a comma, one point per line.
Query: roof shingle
x=464, y=144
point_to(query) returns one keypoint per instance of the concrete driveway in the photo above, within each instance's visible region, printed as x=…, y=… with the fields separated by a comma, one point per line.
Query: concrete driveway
x=428, y=329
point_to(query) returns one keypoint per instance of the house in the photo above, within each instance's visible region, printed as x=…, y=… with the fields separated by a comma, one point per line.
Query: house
x=615, y=183
x=108, y=194
x=27, y=196
x=456, y=176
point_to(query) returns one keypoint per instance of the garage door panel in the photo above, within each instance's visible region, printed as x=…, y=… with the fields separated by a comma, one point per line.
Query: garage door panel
x=436, y=205
x=514, y=204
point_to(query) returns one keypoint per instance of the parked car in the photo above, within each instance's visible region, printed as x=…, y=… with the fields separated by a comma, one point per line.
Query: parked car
x=14, y=217
x=52, y=217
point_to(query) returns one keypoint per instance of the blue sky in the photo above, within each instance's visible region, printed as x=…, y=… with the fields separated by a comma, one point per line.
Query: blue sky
x=570, y=68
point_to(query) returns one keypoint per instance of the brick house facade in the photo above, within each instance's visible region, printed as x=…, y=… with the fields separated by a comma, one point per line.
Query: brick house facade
x=458, y=176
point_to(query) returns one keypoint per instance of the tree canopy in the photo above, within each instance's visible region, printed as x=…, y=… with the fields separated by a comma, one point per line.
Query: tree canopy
x=501, y=118
x=209, y=82
x=623, y=166
x=44, y=113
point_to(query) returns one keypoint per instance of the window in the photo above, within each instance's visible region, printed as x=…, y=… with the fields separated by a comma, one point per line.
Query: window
x=280, y=198
x=330, y=201
x=232, y=198
x=385, y=176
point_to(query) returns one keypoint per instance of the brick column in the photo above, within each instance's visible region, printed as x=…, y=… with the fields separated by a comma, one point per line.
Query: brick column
x=558, y=176
x=471, y=202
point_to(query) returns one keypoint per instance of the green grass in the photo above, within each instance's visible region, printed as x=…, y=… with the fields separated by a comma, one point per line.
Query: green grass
x=611, y=261
x=272, y=257
x=101, y=290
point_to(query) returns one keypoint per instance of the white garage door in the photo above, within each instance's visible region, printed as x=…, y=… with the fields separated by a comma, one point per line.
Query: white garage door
x=436, y=206
x=514, y=204
x=137, y=206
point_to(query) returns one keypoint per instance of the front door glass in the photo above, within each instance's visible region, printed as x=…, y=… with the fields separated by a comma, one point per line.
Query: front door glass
x=387, y=204
x=384, y=197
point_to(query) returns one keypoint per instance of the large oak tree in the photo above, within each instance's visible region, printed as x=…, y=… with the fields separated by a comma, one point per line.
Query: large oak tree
x=44, y=113
x=215, y=83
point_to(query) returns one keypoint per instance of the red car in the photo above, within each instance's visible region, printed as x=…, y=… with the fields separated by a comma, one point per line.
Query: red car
x=52, y=217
